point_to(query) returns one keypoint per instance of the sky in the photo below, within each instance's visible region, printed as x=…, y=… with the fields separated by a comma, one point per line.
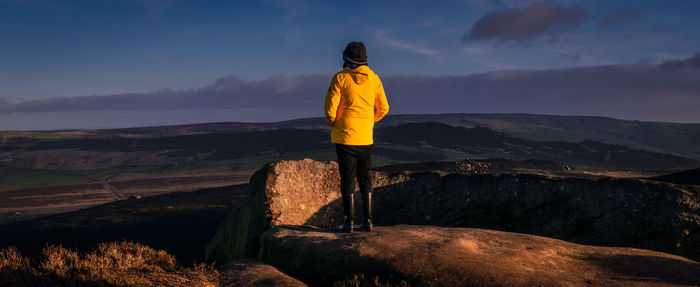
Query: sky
x=86, y=64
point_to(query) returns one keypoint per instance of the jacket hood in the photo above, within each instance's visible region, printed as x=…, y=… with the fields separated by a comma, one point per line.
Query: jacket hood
x=360, y=74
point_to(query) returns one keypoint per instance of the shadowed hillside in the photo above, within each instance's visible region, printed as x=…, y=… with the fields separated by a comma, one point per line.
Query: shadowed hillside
x=659, y=136
x=483, y=141
x=180, y=223
x=684, y=177
x=412, y=142
x=225, y=145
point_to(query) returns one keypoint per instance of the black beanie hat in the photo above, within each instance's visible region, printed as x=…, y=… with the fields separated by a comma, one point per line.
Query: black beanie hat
x=355, y=53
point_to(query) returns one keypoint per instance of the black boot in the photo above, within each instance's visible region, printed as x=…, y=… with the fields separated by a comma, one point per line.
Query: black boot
x=367, y=211
x=349, y=211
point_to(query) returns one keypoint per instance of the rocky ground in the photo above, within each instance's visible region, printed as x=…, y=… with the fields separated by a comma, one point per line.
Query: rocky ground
x=248, y=272
x=438, y=256
x=286, y=198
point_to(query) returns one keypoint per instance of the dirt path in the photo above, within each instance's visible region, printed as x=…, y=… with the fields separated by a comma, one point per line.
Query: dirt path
x=111, y=188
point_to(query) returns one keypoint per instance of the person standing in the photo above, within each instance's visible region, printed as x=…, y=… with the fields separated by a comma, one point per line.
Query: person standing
x=354, y=102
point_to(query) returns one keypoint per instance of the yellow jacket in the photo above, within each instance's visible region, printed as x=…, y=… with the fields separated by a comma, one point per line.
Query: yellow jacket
x=355, y=101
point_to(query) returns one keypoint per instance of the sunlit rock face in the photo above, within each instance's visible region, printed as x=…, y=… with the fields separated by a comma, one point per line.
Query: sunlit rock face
x=422, y=255
x=602, y=211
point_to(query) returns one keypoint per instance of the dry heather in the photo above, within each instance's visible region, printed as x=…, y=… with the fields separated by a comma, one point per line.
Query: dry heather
x=360, y=280
x=111, y=264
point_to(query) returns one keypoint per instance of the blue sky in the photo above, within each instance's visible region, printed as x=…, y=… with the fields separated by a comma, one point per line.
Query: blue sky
x=56, y=48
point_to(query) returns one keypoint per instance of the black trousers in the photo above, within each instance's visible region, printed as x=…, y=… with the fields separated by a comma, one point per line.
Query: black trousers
x=354, y=161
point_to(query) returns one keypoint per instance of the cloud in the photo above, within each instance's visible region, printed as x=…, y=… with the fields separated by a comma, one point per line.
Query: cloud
x=384, y=40
x=668, y=91
x=573, y=56
x=620, y=15
x=495, y=65
x=515, y=24
x=659, y=92
x=662, y=57
x=226, y=92
x=469, y=50
x=577, y=56
x=691, y=63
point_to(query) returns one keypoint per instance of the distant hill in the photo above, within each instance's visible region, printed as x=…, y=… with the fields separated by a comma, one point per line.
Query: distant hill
x=677, y=138
x=403, y=143
x=224, y=145
x=48, y=171
x=484, y=141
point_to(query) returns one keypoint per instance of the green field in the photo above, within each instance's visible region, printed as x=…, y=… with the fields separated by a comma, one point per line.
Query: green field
x=20, y=178
x=38, y=135
x=12, y=178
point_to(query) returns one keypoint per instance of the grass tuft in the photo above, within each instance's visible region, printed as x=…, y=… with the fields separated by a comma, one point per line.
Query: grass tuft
x=360, y=280
x=110, y=264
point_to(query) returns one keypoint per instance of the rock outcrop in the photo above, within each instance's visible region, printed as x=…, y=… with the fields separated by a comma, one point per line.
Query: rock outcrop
x=246, y=272
x=285, y=192
x=603, y=211
x=301, y=192
x=437, y=256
